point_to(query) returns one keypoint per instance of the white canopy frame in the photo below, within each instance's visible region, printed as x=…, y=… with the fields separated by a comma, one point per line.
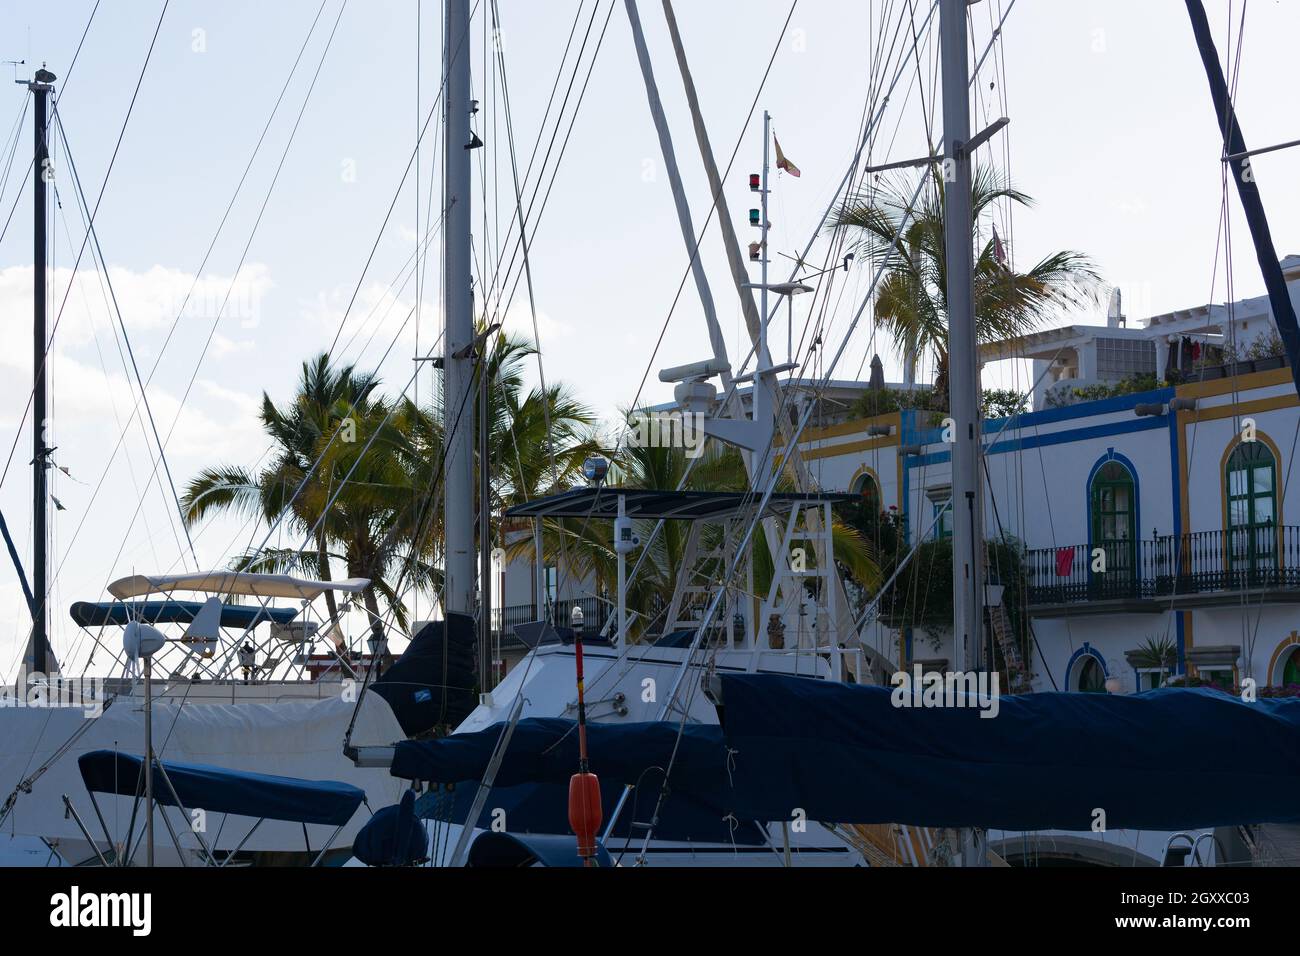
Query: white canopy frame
x=263, y=588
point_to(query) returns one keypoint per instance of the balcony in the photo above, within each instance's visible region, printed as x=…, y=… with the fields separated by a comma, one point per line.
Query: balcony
x=1198, y=569
x=595, y=612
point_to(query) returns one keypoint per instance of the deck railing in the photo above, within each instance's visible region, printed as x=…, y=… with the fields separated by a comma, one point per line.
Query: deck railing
x=1247, y=557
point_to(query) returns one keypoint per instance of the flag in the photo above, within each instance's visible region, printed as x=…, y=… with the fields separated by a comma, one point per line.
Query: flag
x=999, y=253
x=782, y=162
x=1064, y=562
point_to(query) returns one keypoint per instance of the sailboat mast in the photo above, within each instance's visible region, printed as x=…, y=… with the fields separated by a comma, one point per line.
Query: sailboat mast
x=963, y=370
x=41, y=88
x=458, y=303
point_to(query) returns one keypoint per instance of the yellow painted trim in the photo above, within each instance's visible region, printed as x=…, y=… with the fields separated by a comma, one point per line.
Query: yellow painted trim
x=1278, y=481
x=1184, y=494
x=1246, y=408
x=849, y=447
x=868, y=470
x=1185, y=507
x=1224, y=386
x=1287, y=642
x=851, y=427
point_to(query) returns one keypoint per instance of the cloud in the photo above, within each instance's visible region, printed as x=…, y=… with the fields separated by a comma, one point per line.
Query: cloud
x=381, y=315
x=149, y=301
x=519, y=319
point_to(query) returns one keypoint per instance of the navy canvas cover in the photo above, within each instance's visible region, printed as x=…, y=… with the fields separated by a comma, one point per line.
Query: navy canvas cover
x=219, y=790
x=434, y=682
x=242, y=616
x=1169, y=759
x=531, y=784
x=393, y=836
x=509, y=850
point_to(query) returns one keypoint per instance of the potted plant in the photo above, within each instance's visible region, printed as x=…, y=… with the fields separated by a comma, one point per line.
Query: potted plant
x=1156, y=653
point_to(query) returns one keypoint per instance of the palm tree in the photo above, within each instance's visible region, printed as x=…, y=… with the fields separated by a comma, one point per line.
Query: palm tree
x=363, y=474
x=911, y=299
x=325, y=397
x=537, y=441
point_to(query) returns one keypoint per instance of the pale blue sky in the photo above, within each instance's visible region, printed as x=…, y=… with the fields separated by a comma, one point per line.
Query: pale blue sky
x=1112, y=132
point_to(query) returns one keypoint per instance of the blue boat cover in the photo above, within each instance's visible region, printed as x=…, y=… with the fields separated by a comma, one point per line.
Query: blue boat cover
x=509, y=850
x=243, y=616
x=434, y=681
x=543, y=808
x=393, y=836
x=531, y=784
x=1166, y=759
x=218, y=790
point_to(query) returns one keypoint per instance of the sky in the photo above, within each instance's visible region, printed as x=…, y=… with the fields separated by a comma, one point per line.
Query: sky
x=1112, y=132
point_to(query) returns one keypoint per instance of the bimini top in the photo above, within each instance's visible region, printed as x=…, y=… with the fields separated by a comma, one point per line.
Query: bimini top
x=243, y=616
x=681, y=505
x=219, y=790
x=232, y=582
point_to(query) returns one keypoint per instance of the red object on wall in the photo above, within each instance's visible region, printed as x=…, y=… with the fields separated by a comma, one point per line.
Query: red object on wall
x=1064, y=562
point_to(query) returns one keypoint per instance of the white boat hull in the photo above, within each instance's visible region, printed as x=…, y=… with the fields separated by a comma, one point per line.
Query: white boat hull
x=263, y=731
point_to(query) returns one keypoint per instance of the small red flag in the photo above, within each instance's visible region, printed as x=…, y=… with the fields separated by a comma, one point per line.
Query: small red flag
x=782, y=162
x=1064, y=562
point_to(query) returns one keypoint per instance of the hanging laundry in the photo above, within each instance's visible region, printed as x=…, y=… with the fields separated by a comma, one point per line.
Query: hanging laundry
x=1064, y=562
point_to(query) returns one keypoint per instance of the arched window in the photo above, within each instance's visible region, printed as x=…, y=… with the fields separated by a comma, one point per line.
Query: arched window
x=1291, y=668
x=1112, y=506
x=1089, y=677
x=866, y=486
x=1251, y=486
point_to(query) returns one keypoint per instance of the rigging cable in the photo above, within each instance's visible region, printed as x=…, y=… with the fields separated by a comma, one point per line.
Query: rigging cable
x=102, y=188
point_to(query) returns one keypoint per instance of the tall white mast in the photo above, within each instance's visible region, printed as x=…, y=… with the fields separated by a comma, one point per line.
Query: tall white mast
x=963, y=370
x=458, y=302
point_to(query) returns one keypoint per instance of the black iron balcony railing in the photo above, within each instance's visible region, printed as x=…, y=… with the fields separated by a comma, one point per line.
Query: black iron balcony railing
x=1247, y=557
x=595, y=612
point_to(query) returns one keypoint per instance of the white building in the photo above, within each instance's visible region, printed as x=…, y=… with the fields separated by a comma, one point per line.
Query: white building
x=1179, y=493
x=1146, y=517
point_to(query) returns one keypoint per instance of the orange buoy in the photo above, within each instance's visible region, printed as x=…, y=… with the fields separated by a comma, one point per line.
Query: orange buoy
x=585, y=813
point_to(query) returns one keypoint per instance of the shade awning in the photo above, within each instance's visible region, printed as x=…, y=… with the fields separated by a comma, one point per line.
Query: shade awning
x=1173, y=759
x=232, y=582
x=219, y=790
x=242, y=616
x=680, y=505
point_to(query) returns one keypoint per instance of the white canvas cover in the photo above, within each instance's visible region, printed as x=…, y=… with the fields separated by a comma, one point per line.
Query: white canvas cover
x=232, y=582
x=293, y=738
